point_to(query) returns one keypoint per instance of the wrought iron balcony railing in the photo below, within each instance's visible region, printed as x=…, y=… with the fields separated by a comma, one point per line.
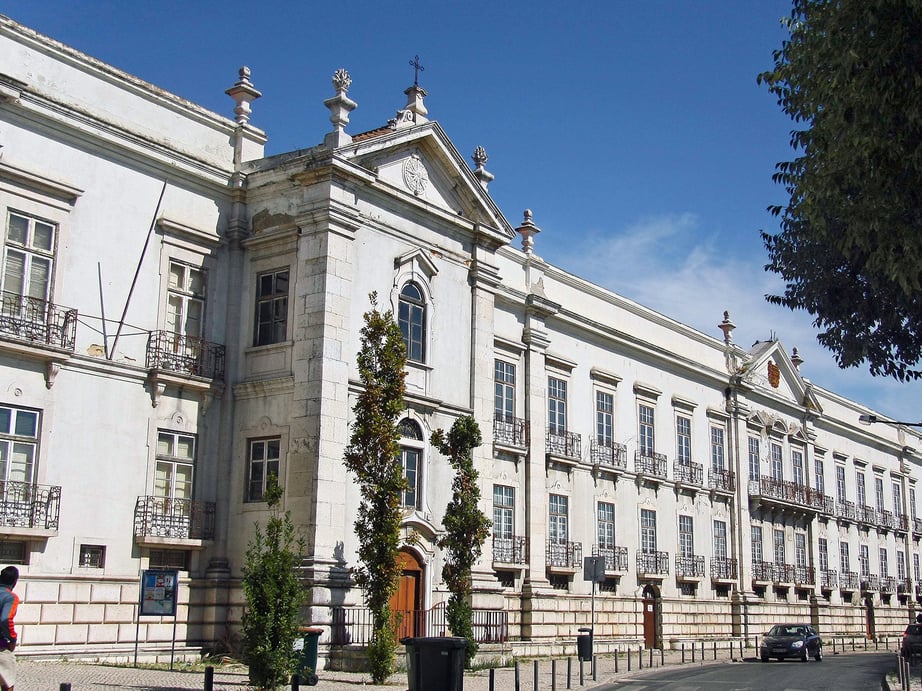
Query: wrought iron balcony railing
x=567, y=555
x=870, y=583
x=36, y=321
x=763, y=571
x=509, y=430
x=608, y=453
x=615, y=557
x=688, y=473
x=187, y=355
x=723, y=568
x=722, y=479
x=690, y=566
x=652, y=562
x=509, y=550
x=24, y=505
x=849, y=581
x=784, y=573
x=650, y=464
x=804, y=575
x=903, y=586
x=887, y=584
x=829, y=579
x=917, y=525
x=867, y=514
x=564, y=443
x=179, y=519
x=847, y=510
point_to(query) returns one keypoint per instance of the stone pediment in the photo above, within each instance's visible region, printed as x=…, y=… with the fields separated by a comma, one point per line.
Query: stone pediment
x=770, y=370
x=421, y=162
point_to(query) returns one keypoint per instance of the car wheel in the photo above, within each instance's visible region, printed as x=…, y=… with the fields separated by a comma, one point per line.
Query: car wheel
x=819, y=654
x=765, y=658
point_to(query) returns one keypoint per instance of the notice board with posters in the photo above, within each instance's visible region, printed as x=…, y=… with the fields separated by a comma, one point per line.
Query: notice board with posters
x=158, y=593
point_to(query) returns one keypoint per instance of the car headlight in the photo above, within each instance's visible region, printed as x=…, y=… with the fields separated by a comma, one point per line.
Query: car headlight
x=797, y=644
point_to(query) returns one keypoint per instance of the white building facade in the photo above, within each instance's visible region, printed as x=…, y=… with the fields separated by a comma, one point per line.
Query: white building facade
x=180, y=318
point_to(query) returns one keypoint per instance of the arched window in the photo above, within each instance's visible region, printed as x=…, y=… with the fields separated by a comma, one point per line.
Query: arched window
x=411, y=458
x=412, y=319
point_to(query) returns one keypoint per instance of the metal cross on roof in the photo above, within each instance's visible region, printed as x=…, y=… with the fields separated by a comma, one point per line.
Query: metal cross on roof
x=417, y=68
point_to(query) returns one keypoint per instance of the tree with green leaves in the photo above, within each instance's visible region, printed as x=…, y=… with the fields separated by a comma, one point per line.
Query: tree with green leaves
x=274, y=595
x=373, y=456
x=850, y=245
x=466, y=526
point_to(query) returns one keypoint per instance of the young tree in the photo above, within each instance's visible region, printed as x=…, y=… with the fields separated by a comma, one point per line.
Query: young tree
x=373, y=456
x=466, y=526
x=274, y=595
x=850, y=246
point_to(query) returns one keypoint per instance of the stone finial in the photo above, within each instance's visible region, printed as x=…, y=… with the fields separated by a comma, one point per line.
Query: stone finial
x=796, y=359
x=340, y=106
x=243, y=92
x=414, y=112
x=480, y=157
x=528, y=230
x=727, y=327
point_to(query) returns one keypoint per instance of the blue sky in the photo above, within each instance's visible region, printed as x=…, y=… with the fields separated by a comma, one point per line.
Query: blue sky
x=635, y=131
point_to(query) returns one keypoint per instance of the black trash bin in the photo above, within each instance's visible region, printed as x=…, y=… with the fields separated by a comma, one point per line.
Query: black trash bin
x=307, y=662
x=584, y=645
x=435, y=662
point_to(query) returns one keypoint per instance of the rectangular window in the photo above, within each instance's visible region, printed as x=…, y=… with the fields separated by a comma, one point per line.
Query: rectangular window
x=823, y=552
x=844, y=559
x=29, y=257
x=800, y=550
x=556, y=406
x=647, y=531
x=897, y=499
x=755, y=532
x=175, y=461
x=604, y=418
x=271, y=307
x=557, y=518
x=819, y=479
x=606, y=525
x=19, y=431
x=916, y=571
x=686, y=536
x=411, y=460
x=912, y=502
x=864, y=561
x=797, y=463
x=884, y=563
x=840, y=484
x=720, y=539
x=504, y=391
x=646, y=436
x=717, y=448
x=263, y=463
x=777, y=470
x=169, y=559
x=755, y=470
x=901, y=565
x=779, y=546
x=860, y=491
x=503, y=512
x=185, y=300
x=92, y=556
x=12, y=552
x=879, y=492
x=683, y=439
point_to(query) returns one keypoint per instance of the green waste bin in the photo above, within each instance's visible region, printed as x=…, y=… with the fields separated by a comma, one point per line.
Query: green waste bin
x=307, y=662
x=435, y=662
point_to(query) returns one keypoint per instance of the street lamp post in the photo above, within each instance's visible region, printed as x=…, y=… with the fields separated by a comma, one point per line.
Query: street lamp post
x=871, y=419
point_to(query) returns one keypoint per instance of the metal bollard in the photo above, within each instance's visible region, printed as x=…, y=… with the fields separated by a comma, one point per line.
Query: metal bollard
x=595, y=666
x=569, y=672
x=741, y=649
x=702, y=651
x=640, y=657
x=553, y=676
x=518, y=685
x=628, y=659
x=295, y=682
x=651, y=657
x=492, y=679
x=616, y=661
x=853, y=643
x=536, y=675
x=683, y=653
x=693, y=646
x=715, y=650
x=581, y=682
x=661, y=657
x=65, y=686
x=209, y=679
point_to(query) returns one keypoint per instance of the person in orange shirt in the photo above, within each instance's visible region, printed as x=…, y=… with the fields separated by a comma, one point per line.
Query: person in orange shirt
x=9, y=602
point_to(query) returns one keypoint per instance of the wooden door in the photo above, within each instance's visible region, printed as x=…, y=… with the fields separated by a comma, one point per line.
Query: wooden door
x=649, y=619
x=407, y=602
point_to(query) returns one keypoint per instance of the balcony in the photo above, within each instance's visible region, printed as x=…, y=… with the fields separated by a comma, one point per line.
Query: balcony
x=650, y=465
x=722, y=480
x=870, y=583
x=182, y=522
x=903, y=586
x=828, y=579
x=37, y=322
x=846, y=510
x=690, y=567
x=723, y=569
x=185, y=355
x=566, y=556
x=29, y=510
x=850, y=581
x=867, y=515
x=688, y=473
x=763, y=571
x=563, y=446
x=917, y=526
x=652, y=564
x=785, y=494
x=804, y=575
x=608, y=454
x=511, y=432
x=509, y=550
x=615, y=557
x=887, y=584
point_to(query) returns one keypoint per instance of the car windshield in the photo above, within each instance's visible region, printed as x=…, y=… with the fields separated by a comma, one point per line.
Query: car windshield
x=788, y=630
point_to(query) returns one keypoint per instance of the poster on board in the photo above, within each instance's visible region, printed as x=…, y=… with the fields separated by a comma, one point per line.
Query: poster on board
x=158, y=593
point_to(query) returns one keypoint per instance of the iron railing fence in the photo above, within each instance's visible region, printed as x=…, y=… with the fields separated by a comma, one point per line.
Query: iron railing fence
x=510, y=430
x=26, y=505
x=649, y=463
x=37, y=321
x=615, y=557
x=609, y=453
x=188, y=355
x=568, y=555
x=510, y=550
x=353, y=625
x=652, y=562
x=689, y=473
x=180, y=519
